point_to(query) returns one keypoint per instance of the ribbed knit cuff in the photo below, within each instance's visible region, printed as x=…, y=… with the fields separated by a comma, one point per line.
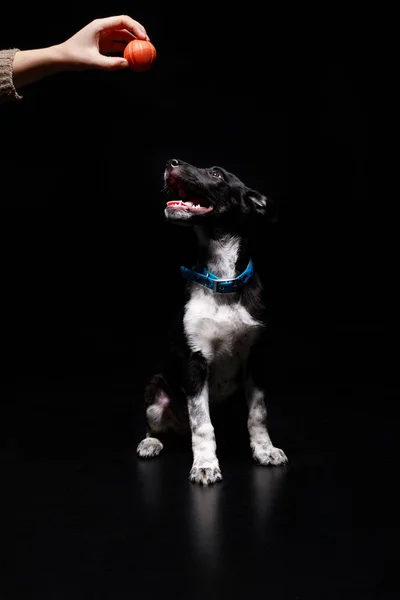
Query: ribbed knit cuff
x=7, y=89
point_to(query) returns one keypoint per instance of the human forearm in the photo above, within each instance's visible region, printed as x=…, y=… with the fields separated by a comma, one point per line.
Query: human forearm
x=31, y=65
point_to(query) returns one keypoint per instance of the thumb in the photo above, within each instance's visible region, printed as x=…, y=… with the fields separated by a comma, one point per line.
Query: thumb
x=112, y=63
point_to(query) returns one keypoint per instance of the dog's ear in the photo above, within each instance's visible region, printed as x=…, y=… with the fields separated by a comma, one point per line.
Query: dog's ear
x=258, y=204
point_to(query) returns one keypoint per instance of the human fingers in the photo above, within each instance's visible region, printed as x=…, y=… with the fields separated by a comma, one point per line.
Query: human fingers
x=121, y=22
x=109, y=40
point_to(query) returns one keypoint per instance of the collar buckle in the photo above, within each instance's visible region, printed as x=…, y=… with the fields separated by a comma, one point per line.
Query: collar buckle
x=218, y=286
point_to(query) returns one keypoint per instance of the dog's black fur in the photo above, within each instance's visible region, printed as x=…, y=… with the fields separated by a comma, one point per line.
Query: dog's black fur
x=215, y=341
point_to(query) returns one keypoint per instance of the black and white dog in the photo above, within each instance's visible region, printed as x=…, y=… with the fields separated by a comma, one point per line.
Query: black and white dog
x=213, y=348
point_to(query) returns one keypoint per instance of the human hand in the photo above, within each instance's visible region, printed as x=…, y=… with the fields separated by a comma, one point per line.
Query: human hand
x=87, y=48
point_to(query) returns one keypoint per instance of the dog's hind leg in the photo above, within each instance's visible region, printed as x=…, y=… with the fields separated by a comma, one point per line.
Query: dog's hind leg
x=262, y=448
x=158, y=416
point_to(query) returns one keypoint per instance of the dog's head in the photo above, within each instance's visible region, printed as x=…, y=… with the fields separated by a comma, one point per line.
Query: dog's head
x=197, y=195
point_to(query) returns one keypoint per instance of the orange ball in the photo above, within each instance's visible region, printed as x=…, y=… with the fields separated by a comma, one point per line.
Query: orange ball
x=140, y=55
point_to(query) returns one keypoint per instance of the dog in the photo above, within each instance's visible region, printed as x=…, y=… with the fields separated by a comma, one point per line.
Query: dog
x=216, y=339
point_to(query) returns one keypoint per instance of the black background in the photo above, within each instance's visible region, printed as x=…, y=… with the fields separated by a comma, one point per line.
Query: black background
x=90, y=270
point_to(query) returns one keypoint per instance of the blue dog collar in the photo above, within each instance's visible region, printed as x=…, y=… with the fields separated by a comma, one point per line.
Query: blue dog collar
x=219, y=286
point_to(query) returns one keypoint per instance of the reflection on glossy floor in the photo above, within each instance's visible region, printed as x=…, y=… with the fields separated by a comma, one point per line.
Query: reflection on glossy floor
x=85, y=519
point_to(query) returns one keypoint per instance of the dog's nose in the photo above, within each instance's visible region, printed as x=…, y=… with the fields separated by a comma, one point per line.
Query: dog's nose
x=173, y=162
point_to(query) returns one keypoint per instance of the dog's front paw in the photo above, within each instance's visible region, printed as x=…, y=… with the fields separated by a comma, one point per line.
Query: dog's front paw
x=266, y=454
x=205, y=474
x=149, y=447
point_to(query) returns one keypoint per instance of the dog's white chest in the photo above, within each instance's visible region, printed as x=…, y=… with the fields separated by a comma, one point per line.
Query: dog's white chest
x=223, y=333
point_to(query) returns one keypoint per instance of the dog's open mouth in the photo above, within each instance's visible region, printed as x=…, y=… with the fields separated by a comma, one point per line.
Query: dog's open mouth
x=187, y=199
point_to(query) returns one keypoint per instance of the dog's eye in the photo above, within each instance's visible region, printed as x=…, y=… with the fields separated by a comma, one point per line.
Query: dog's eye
x=216, y=174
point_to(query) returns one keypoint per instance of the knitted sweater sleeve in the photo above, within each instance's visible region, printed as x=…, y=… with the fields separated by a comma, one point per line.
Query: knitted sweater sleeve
x=7, y=88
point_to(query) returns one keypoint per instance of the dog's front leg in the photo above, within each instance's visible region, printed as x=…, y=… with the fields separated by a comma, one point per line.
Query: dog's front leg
x=262, y=448
x=205, y=469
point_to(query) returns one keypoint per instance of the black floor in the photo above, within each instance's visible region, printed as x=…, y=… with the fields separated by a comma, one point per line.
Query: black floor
x=82, y=517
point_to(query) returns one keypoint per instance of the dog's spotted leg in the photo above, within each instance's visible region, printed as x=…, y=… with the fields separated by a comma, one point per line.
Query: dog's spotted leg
x=260, y=443
x=205, y=469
